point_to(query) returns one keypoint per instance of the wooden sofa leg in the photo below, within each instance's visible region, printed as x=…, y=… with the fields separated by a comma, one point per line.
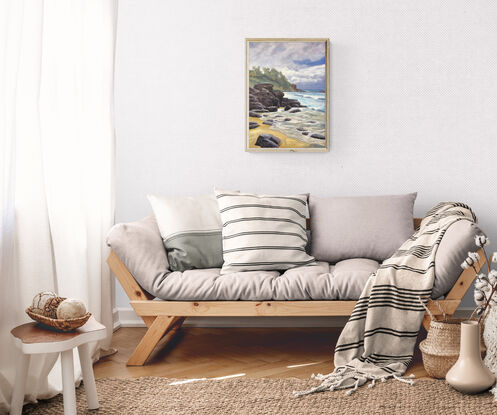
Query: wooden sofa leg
x=156, y=331
x=174, y=327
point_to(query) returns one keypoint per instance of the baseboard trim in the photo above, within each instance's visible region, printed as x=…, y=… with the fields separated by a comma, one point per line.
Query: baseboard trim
x=126, y=317
x=116, y=322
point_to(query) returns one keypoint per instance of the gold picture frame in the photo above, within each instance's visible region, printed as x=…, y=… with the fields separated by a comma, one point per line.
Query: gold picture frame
x=297, y=126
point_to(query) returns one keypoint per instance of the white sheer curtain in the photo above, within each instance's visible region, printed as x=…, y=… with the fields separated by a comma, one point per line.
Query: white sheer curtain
x=56, y=171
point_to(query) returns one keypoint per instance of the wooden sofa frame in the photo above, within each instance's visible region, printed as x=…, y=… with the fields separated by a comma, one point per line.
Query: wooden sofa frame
x=164, y=318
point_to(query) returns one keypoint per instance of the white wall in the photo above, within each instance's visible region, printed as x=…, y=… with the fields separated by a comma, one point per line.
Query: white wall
x=413, y=101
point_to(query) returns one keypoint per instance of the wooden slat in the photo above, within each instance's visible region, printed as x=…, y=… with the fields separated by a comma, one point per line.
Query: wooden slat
x=171, y=333
x=260, y=308
x=153, y=335
x=243, y=308
x=417, y=222
x=129, y=284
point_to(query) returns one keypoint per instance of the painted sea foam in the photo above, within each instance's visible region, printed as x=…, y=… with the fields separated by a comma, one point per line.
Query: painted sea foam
x=313, y=100
x=301, y=125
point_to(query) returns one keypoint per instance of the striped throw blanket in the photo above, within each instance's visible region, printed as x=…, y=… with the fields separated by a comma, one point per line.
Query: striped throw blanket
x=378, y=341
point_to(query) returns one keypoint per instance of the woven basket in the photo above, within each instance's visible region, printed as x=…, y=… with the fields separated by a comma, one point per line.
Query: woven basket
x=440, y=349
x=58, y=324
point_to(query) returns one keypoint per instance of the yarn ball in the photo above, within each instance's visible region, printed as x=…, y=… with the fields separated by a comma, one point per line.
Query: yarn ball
x=42, y=300
x=71, y=308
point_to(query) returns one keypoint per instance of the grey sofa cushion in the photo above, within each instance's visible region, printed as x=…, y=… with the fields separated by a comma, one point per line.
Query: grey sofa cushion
x=458, y=240
x=359, y=227
x=139, y=246
x=343, y=281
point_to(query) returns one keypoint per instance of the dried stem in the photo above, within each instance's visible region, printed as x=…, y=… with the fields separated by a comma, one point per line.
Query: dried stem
x=474, y=268
x=473, y=313
x=488, y=260
x=494, y=287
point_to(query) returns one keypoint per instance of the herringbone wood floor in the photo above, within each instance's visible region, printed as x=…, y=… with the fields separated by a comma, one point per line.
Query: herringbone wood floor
x=213, y=352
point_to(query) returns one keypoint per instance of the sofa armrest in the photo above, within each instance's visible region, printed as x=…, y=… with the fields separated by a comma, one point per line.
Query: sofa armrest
x=458, y=240
x=139, y=246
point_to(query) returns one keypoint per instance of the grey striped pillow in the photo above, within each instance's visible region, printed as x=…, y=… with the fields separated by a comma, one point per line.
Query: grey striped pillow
x=263, y=232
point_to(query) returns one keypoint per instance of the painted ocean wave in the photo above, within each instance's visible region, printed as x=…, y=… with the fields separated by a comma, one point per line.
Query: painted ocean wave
x=313, y=100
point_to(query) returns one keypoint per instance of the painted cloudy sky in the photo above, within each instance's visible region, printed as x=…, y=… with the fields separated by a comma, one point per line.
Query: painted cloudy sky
x=303, y=63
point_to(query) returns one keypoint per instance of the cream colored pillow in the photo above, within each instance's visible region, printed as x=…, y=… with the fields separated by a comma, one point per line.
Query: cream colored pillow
x=263, y=232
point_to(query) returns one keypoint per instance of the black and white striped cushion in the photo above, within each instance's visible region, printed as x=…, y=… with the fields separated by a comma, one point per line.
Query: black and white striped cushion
x=263, y=232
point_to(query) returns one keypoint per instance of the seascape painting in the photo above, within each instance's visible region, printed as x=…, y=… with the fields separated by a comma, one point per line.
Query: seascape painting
x=287, y=95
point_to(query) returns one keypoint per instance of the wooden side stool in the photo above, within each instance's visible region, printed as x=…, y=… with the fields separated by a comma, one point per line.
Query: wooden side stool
x=31, y=339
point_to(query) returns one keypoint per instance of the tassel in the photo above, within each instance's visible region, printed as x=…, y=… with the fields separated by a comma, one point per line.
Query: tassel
x=405, y=379
x=354, y=378
x=351, y=391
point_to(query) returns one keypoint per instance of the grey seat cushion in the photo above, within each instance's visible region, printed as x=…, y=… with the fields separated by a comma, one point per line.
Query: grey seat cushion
x=343, y=281
x=139, y=246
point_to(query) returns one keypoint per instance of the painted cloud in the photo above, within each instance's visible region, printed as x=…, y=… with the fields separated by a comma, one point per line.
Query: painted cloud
x=303, y=63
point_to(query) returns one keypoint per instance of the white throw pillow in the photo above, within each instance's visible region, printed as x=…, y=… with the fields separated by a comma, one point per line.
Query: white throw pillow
x=262, y=232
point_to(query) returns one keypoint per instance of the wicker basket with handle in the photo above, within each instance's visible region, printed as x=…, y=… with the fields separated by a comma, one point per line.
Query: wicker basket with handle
x=440, y=349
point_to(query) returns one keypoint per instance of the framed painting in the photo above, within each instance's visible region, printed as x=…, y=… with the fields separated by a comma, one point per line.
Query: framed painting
x=287, y=95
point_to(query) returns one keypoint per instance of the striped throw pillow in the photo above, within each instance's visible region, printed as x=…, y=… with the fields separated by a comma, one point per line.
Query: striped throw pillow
x=263, y=232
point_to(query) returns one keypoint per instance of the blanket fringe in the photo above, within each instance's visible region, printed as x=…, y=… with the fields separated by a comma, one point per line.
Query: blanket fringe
x=346, y=378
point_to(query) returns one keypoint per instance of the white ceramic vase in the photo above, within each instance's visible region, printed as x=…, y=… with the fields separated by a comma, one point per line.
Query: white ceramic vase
x=469, y=374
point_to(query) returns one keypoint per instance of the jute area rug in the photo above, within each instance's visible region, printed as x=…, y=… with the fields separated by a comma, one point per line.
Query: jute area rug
x=152, y=395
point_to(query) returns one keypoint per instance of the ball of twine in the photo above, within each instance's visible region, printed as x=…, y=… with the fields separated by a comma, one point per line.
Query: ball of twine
x=46, y=303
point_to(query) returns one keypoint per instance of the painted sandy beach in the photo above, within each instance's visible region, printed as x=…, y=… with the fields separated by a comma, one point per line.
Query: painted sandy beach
x=286, y=96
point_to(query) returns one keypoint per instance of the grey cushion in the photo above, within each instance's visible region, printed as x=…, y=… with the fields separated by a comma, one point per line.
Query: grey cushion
x=139, y=246
x=344, y=281
x=458, y=240
x=359, y=227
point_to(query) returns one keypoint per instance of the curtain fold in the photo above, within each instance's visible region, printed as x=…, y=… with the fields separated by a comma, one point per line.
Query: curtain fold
x=57, y=167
